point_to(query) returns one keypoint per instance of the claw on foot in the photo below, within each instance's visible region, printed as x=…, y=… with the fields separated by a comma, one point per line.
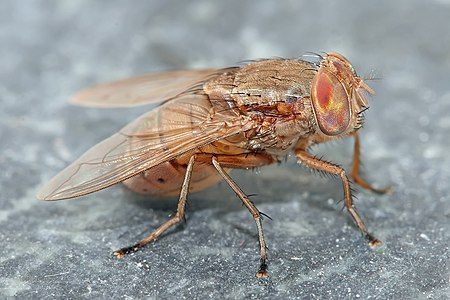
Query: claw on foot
x=375, y=244
x=124, y=251
x=119, y=254
x=373, y=241
x=386, y=191
x=262, y=273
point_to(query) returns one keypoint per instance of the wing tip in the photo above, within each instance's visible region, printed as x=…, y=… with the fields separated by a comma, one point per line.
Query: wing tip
x=89, y=98
x=43, y=195
x=42, y=198
x=81, y=99
x=47, y=193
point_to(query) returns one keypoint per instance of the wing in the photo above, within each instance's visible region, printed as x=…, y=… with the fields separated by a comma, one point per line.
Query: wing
x=172, y=129
x=150, y=88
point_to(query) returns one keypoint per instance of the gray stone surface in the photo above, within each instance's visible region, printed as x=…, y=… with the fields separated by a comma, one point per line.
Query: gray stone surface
x=50, y=49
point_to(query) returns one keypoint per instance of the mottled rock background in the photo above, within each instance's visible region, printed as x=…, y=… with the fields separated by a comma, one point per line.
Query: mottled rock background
x=50, y=49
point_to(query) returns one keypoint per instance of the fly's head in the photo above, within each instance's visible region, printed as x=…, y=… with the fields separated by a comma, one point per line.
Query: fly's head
x=338, y=96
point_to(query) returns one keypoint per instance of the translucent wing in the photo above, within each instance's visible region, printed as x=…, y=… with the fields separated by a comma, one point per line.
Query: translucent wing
x=150, y=88
x=164, y=133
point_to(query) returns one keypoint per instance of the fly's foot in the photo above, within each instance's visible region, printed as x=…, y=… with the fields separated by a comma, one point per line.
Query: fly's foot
x=262, y=272
x=374, y=243
x=385, y=191
x=127, y=250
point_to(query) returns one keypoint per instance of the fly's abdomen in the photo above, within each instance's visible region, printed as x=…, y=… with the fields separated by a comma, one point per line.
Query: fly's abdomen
x=167, y=178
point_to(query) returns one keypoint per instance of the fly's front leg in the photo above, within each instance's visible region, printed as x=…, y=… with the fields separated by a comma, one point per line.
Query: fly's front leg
x=173, y=221
x=355, y=170
x=317, y=164
x=262, y=272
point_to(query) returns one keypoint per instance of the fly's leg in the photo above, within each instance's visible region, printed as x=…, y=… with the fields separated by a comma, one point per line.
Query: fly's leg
x=355, y=170
x=173, y=221
x=262, y=272
x=317, y=164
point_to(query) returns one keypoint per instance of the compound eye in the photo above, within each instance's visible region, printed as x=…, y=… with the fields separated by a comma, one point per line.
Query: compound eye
x=330, y=103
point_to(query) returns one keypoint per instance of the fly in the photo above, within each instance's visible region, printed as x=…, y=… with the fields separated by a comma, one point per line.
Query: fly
x=211, y=121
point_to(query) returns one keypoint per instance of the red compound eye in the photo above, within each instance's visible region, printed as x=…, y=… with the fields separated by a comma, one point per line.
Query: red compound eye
x=330, y=103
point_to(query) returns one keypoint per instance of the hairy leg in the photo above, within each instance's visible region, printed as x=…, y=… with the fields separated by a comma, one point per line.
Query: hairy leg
x=262, y=272
x=317, y=164
x=173, y=221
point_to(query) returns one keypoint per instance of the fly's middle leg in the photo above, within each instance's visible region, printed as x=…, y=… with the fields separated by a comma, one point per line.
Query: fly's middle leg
x=179, y=216
x=317, y=164
x=262, y=272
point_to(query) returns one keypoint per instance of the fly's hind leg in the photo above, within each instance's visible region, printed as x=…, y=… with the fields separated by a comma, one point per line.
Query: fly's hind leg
x=317, y=164
x=355, y=170
x=262, y=272
x=173, y=221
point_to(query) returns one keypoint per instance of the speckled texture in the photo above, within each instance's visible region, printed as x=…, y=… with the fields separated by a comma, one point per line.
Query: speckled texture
x=50, y=49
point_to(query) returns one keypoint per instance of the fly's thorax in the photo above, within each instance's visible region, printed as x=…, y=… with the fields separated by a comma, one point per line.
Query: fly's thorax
x=271, y=82
x=263, y=83
x=271, y=96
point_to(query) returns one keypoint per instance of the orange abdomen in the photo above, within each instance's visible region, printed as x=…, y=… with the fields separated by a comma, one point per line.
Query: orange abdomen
x=166, y=179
